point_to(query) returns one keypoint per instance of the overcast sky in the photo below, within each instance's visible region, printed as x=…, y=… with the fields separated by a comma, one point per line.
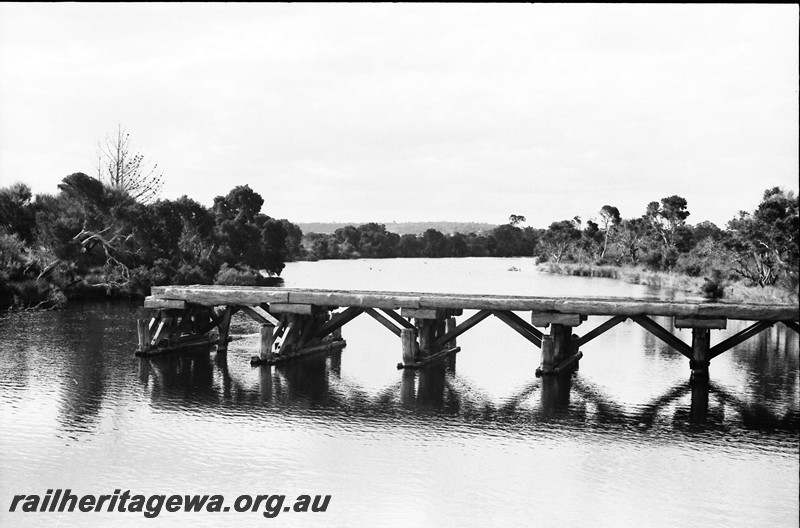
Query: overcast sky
x=405, y=112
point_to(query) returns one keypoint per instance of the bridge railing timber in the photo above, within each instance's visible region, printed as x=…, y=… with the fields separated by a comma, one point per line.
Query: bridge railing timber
x=296, y=321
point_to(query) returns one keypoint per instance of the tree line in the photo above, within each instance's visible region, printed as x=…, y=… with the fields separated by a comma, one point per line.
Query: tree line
x=759, y=247
x=100, y=238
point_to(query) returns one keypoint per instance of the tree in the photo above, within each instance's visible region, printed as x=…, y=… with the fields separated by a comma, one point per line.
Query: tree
x=515, y=220
x=559, y=236
x=436, y=244
x=706, y=229
x=294, y=240
x=241, y=204
x=16, y=215
x=273, y=238
x=458, y=245
x=239, y=236
x=410, y=246
x=766, y=242
x=509, y=242
x=197, y=241
x=591, y=237
x=375, y=242
x=631, y=234
x=247, y=237
x=349, y=238
x=610, y=220
x=666, y=217
x=323, y=246
x=121, y=168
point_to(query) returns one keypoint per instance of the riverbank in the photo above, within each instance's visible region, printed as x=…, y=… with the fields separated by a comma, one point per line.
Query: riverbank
x=730, y=290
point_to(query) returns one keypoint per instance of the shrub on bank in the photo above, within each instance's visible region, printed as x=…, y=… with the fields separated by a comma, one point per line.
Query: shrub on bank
x=246, y=276
x=187, y=274
x=31, y=294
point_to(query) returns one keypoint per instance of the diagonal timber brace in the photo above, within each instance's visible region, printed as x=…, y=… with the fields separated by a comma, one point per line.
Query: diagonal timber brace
x=740, y=337
x=522, y=327
x=600, y=330
x=383, y=320
x=793, y=325
x=394, y=316
x=663, y=334
x=338, y=321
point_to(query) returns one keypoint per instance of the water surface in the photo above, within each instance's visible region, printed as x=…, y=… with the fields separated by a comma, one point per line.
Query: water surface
x=624, y=442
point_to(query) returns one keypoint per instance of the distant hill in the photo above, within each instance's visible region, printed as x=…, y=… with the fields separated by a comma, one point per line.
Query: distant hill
x=402, y=228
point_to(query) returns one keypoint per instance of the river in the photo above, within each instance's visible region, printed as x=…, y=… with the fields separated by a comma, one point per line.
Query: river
x=484, y=445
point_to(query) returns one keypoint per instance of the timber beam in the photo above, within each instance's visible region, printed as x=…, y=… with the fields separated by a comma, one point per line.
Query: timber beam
x=520, y=326
x=403, y=322
x=430, y=313
x=294, y=308
x=319, y=348
x=339, y=320
x=716, y=323
x=793, y=325
x=545, y=319
x=424, y=362
x=165, y=304
x=259, y=315
x=383, y=320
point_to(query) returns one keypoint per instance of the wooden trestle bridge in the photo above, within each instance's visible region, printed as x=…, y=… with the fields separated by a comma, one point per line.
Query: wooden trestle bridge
x=297, y=322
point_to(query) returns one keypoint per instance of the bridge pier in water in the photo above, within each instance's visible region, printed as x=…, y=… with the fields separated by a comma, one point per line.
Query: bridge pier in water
x=432, y=337
x=560, y=354
x=701, y=341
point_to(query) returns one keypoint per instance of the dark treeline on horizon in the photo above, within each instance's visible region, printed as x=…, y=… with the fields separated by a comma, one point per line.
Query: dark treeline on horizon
x=96, y=238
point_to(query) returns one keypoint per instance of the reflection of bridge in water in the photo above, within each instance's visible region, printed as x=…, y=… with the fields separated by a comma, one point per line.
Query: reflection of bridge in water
x=315, y=384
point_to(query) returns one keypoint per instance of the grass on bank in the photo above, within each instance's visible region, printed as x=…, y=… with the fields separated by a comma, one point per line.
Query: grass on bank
x=733, y=291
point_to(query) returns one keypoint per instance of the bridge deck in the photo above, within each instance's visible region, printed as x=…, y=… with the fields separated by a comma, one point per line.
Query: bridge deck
x=252, y=295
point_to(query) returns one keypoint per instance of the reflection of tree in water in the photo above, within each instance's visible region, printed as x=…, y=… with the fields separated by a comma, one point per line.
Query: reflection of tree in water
x=81, y=355
x=77, y=354
x=18, y=359
x=772, y=360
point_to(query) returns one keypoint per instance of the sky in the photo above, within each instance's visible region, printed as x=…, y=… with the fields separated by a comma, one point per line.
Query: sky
x=412, y=112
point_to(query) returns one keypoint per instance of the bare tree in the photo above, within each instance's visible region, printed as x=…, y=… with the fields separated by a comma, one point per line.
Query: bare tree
x=125, y=170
